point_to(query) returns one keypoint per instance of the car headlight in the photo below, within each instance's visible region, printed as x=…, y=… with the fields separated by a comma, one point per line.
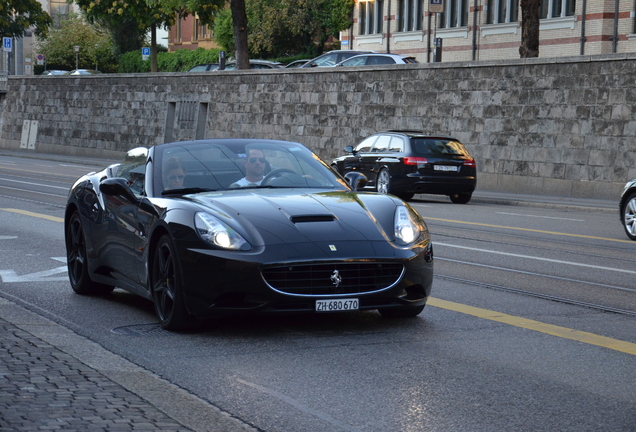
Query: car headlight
x=407, y=229
x=213, y=231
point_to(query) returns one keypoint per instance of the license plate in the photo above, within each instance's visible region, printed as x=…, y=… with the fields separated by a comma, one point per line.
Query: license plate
x=337, y=305
x=444, y=168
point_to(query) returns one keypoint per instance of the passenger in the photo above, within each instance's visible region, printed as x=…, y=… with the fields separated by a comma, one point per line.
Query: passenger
x=174, y=174
x=254, y=169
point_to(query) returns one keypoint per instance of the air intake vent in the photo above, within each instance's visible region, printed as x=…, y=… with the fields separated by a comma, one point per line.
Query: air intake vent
x=316, y=279
x=313, y=218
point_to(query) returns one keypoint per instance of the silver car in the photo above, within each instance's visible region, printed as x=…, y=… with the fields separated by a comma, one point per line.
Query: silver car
x=627, y=208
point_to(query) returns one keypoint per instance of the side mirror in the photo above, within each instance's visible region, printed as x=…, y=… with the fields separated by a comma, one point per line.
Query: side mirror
x=117, y=187
x=349, y=149
x=356, y=180
x=111, y=171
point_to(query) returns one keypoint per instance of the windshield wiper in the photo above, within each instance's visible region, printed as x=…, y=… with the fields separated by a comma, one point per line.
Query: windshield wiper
x=185, y=191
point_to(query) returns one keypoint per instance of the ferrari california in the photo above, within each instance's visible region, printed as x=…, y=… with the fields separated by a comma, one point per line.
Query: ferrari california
x=213, y=227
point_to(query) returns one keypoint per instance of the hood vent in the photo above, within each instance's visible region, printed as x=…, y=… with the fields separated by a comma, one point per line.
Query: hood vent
x=313, y=218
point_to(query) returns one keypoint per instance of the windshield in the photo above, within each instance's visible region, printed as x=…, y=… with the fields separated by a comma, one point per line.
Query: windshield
x=214, y=165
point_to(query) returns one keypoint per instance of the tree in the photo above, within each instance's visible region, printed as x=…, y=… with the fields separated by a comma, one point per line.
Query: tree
x=140, y=15
x=279, y=27
x=239, y=18
x=530, y=16
x=17, y=16
x=96, y=47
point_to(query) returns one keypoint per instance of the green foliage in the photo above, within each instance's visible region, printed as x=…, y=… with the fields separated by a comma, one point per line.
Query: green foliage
x=283, y=27
x=17, y=16
x=224, y=31
x=96, y=47
x=178, y=61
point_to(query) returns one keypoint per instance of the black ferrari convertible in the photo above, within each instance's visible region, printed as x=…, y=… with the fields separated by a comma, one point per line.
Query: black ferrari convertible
x=225, y=226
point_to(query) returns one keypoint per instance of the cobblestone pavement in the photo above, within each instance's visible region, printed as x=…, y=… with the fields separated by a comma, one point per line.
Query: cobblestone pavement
x=43, y=388
x=53, y=379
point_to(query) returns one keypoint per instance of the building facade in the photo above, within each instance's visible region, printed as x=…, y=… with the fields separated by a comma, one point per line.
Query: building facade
x=472, y=30
x=189, y=33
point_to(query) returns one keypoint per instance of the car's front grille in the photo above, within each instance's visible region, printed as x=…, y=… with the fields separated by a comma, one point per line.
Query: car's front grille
x=333, y=278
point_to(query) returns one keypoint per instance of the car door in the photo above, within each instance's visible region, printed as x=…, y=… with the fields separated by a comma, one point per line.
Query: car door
x=373, y=162
x=120, y=230
x=354, y=160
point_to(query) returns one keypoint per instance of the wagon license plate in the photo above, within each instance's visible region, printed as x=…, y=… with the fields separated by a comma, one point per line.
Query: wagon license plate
x=444, y=168
x=337, y=305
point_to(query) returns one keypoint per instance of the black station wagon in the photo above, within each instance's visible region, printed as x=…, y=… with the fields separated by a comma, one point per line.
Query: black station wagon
x=404, y=163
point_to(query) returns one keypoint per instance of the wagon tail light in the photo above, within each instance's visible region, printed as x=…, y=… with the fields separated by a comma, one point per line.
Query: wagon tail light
x=419, y=161
x=470, y=163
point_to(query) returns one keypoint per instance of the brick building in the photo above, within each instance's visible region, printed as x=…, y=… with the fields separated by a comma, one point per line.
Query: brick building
x=491, y=29
x=189, y=33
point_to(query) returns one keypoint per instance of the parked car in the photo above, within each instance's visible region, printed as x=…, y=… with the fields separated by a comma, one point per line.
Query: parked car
x=377, y=59
x=297, y=63
x=84, y=72
x=332, y=58
x=204, y=67
x=404, y=163
x=55, y=72
x=174, y=224
x=627, y=208
x=257, y=64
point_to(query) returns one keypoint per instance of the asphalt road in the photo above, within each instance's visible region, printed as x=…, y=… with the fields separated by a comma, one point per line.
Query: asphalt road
x=532, y=324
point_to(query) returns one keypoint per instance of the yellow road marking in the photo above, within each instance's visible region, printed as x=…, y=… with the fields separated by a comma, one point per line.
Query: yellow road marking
x=562, y=332
x=528, y=229
x=37, y=215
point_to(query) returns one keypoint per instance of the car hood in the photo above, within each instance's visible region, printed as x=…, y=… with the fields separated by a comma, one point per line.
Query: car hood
x=280, y=216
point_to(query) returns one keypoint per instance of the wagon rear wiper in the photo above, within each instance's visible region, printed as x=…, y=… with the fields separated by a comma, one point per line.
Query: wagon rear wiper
x=185, y=191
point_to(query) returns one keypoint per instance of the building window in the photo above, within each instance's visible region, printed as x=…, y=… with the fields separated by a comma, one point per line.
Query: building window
x=59, y=11
x=179, y=19
x=557, y=8
x=200, y=30
x=455, y=14
x=410, y=15
x=502, y=11
x=371, y=17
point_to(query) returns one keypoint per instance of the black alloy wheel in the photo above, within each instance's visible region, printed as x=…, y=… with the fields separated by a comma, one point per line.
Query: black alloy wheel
x=166, y=288
x=460, y=198
x=401, y=312
x=77, y=262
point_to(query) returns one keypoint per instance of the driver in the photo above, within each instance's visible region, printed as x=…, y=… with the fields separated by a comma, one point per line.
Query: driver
x=254, y=169
x=174, y=174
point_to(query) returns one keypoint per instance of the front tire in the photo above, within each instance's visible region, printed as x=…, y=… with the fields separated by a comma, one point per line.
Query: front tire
x=77, y=260
x=628, y=216
x=166, y=287
x=401, y=312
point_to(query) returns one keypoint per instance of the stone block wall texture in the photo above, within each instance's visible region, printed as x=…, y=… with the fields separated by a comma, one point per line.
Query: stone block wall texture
x=562, y=126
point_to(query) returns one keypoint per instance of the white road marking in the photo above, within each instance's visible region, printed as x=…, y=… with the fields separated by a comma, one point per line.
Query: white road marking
x=34, y=184
x=542, y=217
x=586, y=265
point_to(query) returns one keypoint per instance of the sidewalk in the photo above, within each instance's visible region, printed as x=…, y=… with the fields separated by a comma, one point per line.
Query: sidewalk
x=53, y=379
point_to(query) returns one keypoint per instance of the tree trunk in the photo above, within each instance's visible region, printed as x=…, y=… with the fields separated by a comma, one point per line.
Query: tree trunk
x=239, y=17
x=530, y=16
x=153, y=49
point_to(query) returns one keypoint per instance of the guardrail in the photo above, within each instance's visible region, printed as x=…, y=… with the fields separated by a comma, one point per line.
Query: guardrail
x=4, y=81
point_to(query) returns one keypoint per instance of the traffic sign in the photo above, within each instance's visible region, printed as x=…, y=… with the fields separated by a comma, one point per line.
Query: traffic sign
x=145, y=53
x=40, y=57
x=436, y=6
x=7, y=44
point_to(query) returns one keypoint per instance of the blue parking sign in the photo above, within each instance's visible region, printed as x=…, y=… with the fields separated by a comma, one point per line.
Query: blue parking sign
x=7, y=44
x=145, y=51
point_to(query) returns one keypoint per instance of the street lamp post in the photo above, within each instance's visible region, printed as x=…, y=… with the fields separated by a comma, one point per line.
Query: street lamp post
x=76, y=47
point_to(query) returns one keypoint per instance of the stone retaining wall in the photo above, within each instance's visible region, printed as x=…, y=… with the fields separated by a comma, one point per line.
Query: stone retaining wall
x=563, y=126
